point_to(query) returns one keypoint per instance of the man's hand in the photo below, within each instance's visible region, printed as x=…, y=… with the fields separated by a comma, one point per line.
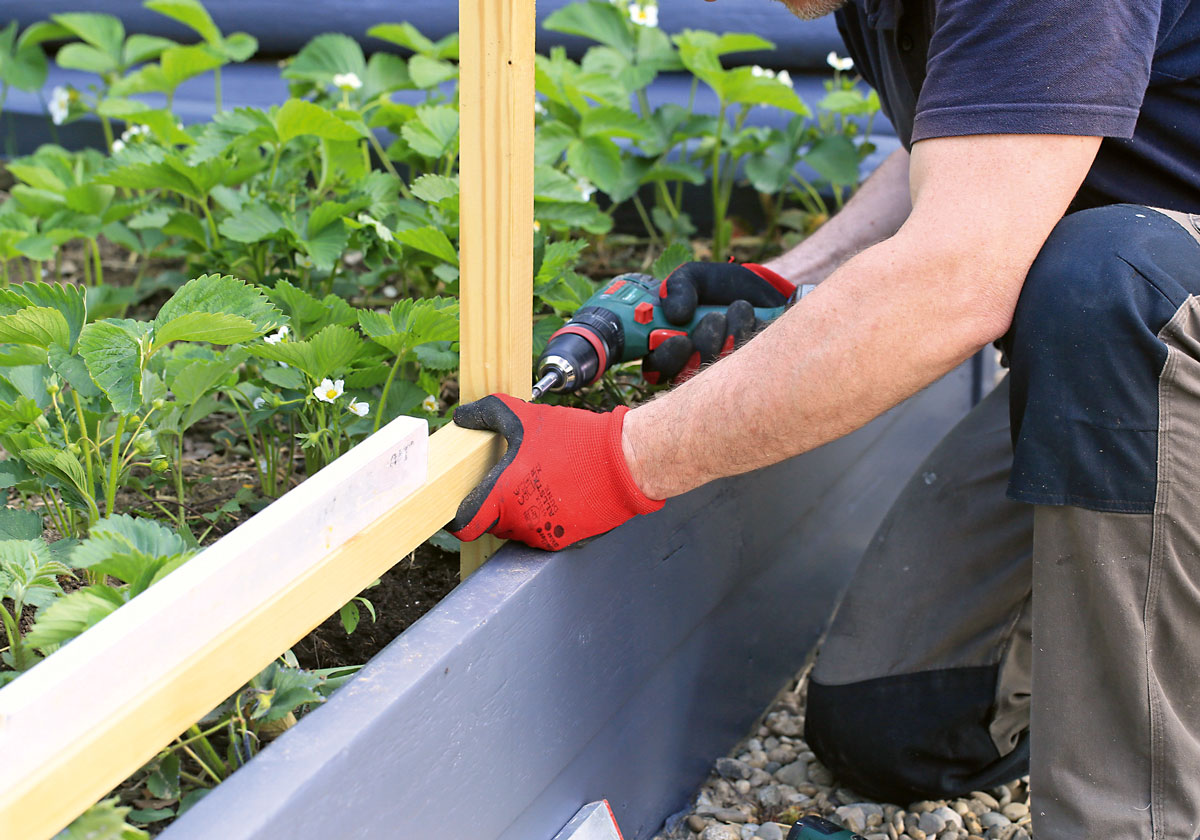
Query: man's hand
x=740, y=287
x=563, y=478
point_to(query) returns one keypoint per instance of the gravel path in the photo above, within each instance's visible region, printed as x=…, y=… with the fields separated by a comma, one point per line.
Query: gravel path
x=771, y=779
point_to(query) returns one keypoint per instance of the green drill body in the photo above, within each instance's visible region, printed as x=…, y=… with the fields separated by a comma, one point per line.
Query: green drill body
x=620, y=323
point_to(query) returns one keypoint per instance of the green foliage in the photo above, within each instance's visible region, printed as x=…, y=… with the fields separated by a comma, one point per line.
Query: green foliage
x=103, y=820
x=322, y=238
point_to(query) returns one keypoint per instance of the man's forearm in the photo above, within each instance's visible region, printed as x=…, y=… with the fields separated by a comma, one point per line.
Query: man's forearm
x=873, y=214
x=880, y=329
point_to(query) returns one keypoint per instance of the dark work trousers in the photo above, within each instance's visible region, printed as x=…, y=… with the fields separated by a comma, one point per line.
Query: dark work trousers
x=1031, y=604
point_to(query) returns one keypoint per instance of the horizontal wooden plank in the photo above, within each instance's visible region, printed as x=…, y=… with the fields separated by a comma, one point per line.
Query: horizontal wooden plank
x=106, y=703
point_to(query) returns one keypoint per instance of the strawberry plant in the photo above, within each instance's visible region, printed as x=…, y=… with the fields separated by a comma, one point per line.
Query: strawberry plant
x=321, y=238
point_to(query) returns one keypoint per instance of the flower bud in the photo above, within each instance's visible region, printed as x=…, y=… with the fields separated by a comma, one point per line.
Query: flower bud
x=135, y=418
x=53, y=388
x=159, y=465
x=74, y=449
x=159, y=404
x=41, y=422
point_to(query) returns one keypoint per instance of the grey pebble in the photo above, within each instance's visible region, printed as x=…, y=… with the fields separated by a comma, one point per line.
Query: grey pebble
x=950, y=816
x=758, y=777
x=731, y=768
x=993, y=819
x=931, y=822
x=819, y=774
x=729, y=815
x=721, y=832
x=782, y=755
x=782, y=723
x=770, y=796
x=794, y=774
x=697, y=823
x=770, y=831
x=1015, y=810
x=987, y=799
x=852, y=817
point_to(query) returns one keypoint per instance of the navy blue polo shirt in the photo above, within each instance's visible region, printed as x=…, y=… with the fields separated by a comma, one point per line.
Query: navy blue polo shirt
x=1125, y=70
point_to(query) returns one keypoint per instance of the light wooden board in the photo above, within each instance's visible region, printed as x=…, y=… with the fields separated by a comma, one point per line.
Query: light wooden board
x=110, y=700
x=496, y=74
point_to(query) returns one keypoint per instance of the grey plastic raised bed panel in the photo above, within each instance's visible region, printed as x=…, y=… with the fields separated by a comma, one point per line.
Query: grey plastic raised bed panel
x=617, y=670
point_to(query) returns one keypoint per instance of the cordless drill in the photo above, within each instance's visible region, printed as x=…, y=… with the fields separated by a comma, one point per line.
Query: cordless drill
x=620, y=323
x=817, y=828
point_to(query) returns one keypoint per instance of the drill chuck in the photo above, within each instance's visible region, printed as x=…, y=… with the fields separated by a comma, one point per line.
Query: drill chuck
x=575, y=356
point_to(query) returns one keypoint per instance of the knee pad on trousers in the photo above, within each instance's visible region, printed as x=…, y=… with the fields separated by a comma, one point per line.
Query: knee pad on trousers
x=912, y=736
x=1085, y=358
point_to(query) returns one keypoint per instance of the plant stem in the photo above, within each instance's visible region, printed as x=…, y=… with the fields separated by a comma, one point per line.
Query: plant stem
x=387, y=163
x=641, y=209
x=98, y=272
x=210, y=755
x=108, y=133
x=718, y=209
x=212, y=225
x=178, y=476
x=12, y=630
x=217, y=88
x=114, y=468
x=387, y=385
x=87, y=444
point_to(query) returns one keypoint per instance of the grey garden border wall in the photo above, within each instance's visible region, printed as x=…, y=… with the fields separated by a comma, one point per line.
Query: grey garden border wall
x=615, y=670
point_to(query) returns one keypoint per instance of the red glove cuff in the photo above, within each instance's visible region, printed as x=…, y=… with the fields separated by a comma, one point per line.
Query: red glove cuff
x=781, y=284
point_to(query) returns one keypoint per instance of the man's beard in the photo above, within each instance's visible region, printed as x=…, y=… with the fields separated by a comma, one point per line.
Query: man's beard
x=812, y=9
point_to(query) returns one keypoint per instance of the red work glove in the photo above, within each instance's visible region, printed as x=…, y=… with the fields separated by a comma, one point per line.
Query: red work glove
x=563, y=478
x=740, y=287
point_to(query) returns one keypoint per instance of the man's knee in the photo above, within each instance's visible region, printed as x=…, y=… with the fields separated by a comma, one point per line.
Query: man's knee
x=912, y=736
x=1085, y=357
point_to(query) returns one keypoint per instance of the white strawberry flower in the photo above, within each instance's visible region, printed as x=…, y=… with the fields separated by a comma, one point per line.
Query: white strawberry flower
x=429, y=404
x=60, y=104
x=303, y=260
x=537, y=226
x=347, y=81
x=259, y=403
x=329, y=390
x=643, y=15
x=275, y=338
x=785, y=78
x=585, y=188
x=758, y=71
x=118, y=146
x=838, y=63
x=391, y=292
x=358, y=407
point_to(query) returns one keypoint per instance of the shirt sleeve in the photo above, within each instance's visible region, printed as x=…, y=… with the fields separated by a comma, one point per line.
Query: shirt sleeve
x=1037, y=67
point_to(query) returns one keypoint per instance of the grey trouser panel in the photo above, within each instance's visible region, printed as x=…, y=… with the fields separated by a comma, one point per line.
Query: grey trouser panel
x=983, y=637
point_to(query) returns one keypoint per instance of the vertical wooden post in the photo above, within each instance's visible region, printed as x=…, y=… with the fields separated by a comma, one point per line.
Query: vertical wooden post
x=496, y=85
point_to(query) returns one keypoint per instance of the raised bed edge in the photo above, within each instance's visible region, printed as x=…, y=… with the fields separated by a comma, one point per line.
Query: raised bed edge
x=617, y=670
